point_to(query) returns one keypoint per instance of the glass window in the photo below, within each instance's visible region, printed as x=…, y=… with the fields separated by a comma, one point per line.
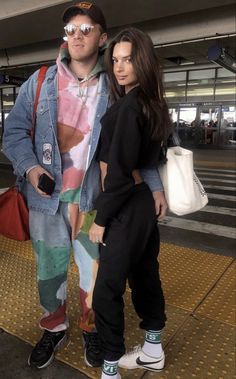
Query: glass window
x=173, y=112
x=225, y=91
x=187, y=125
x=201, y=85
x=223, y=73
x=202, y=74
x=200, y=91
x=225, y=85
x=175, y=94
x=7, y=98
x=175, y=83
x=209, y=113
x=187, y=116
x=174, y=76
x=228, y=125
x=208, y=125
x=228, y=117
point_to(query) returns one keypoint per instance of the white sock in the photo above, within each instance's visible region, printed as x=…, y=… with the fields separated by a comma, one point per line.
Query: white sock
x=152, y=344
x=109, y=370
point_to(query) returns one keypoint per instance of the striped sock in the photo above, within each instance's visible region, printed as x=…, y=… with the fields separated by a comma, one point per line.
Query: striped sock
x=109, y=370
x=152, y=344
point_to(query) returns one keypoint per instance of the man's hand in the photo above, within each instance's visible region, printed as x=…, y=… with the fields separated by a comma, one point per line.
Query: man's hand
x=160, y=204
x=96, y=233
x=33, y=177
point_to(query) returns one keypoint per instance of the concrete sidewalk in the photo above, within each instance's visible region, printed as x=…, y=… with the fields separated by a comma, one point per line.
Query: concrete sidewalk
x=13, y=362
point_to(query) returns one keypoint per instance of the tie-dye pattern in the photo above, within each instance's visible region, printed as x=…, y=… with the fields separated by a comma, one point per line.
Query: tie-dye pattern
x=54, y=237
x=77, y=102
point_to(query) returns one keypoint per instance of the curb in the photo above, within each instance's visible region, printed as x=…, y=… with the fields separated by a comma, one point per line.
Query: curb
x=215, y=164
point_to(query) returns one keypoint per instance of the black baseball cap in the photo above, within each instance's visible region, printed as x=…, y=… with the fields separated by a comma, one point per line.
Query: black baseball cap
x=87, y=9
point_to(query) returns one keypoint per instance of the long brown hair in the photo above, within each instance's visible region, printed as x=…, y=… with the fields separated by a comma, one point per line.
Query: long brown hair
x=149, y=75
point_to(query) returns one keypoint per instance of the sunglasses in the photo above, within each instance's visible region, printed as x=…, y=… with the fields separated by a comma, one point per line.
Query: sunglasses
x=71, y=29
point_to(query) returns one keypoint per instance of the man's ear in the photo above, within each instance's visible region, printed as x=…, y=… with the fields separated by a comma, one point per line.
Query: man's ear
x=103, y=39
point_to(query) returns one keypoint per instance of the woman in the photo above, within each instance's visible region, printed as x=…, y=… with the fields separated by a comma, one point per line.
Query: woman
x=133, y=131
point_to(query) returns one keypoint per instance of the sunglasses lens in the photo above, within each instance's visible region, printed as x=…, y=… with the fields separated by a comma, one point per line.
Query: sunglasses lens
x=70, y=29
x=85, y=29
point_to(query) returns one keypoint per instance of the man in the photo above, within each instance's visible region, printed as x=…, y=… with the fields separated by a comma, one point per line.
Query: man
x=73, y=98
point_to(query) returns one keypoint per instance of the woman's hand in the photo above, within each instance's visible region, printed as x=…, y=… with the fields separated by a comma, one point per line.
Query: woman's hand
x=96, y=233
x=160, y=204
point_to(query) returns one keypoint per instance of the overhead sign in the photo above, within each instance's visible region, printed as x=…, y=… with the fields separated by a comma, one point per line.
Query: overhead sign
x=12, y=80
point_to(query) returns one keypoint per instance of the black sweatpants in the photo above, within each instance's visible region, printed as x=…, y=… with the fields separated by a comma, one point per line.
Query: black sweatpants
x=132, y=247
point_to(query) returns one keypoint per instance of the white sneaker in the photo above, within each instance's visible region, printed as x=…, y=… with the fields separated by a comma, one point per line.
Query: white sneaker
x=136, y=358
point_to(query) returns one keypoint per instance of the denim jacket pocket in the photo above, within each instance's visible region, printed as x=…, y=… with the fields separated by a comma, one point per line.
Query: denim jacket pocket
x=42, y=118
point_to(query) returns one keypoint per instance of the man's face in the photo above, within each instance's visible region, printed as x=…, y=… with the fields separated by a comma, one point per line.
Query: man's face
x=82, y=47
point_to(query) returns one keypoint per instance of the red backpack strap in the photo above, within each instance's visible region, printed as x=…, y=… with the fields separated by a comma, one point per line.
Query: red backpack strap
x=41, y=76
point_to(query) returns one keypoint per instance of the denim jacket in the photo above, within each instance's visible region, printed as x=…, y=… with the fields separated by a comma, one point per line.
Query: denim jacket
x=18, y=146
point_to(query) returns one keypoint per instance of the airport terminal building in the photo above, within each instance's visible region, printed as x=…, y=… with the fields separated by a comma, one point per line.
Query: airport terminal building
x=195, y=41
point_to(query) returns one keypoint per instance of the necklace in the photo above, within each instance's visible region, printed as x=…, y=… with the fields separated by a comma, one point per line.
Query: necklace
x=83, y=90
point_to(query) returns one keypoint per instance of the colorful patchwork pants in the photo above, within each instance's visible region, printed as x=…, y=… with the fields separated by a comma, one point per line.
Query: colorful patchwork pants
x=53, y=239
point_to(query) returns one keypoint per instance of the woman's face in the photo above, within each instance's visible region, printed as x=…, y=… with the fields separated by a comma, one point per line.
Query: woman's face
x=123, y=67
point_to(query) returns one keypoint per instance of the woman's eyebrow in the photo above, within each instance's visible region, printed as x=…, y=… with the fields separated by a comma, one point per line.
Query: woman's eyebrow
x=127, y=56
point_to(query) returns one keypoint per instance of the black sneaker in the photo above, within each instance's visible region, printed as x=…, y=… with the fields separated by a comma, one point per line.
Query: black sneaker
x=93, y=353
x=43, y=352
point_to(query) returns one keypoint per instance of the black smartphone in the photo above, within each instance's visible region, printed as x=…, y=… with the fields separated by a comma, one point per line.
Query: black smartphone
x=46, y=184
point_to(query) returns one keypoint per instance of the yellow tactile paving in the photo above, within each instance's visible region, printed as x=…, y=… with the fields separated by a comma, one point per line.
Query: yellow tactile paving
x=188, y=274
x=187, y=277
x=73, y=352
x=203, y=349
x=220, y=304
x=24, y=249
x=19, y=308
x=19, y=312
x=194, y=270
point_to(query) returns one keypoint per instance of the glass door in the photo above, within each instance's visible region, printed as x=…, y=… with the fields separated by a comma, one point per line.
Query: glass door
x=228, y=126
x=209, y=120
x=186, y=125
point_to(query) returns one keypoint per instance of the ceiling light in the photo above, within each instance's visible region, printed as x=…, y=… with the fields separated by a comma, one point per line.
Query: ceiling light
x=186, y=63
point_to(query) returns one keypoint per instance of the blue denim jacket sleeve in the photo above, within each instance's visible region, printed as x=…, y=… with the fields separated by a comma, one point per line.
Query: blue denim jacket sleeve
x=152, y=178
x=17, y=144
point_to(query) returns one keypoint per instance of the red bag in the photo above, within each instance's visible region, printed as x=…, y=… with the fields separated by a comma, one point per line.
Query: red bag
x=14, y=214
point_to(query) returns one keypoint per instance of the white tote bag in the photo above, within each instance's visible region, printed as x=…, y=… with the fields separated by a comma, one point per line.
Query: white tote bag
x=183, y=190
